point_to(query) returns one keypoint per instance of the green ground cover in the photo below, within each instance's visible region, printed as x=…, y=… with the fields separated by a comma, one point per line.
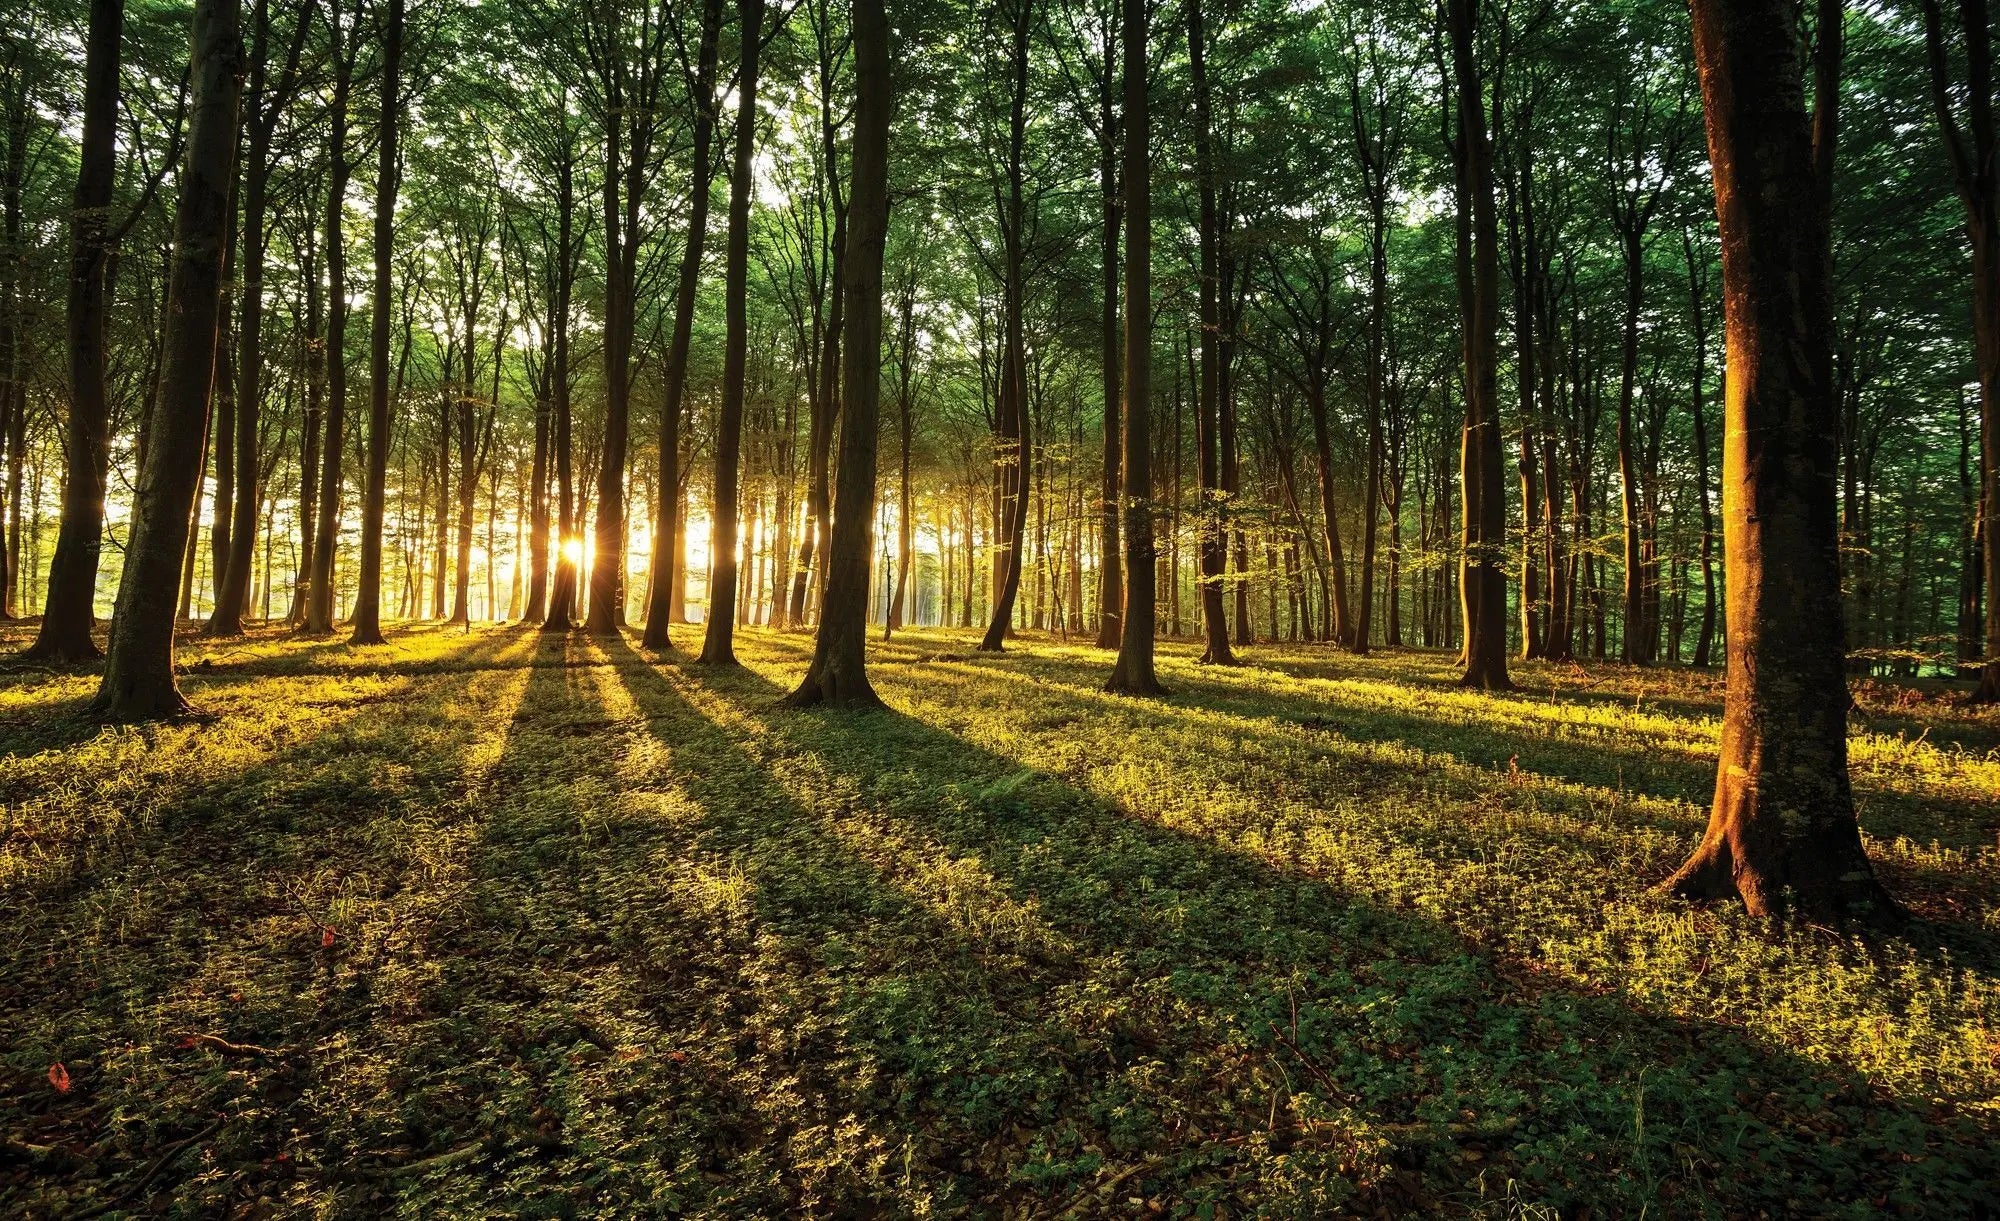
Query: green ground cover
x=500, y=923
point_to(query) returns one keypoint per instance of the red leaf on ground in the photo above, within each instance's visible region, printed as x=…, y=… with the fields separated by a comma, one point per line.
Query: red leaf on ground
x=59, y=1077
x=326, y=938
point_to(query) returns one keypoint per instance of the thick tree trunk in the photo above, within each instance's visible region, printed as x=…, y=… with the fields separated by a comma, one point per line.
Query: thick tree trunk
x=367, y=616
x=1782, y=833
x=139, y=675
x=68, y=612
x=838, y=674
x=1133, y=673
x=719, y=639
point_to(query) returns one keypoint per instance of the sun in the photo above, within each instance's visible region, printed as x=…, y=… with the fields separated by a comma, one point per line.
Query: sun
x=572, y=550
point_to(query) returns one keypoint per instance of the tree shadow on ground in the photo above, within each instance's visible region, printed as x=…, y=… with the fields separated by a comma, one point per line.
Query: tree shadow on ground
x=178, y=968
x=1236, y=1012
x=1578, y=754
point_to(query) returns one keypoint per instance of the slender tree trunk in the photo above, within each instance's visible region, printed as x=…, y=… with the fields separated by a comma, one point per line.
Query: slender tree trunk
x=68, y=613
x=139, y=675
x=1110, y=574
x=719, y=641
x=326, y=541
x=569, y=551
x=1973, y=152
x=1704, y=641
x=367, y=616
x=666, y=501
x=1016, y=442
x=267, y=99
x=1782, y=833
x=1212, y=523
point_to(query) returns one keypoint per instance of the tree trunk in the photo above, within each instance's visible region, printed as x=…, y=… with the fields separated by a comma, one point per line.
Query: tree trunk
x=68, y=613
x=139, y=676
x=838, y=674
x=367, y=616
x=1110, y=577
x=1483, y=589
x=666, y=501
x=266, y=101
x=1212, y=522
x=1133, y=673
x=1016, y=447
x=1782, y=832
x=569, y=549
x=326, y=526
x=719, y=640
x=1978, y=180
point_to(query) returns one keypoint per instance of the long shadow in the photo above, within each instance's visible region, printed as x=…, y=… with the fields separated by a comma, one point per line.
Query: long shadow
x=1593, y=760
x=1377, y=1019
x=204, y=920
x=653, y=969
x=1584, y=821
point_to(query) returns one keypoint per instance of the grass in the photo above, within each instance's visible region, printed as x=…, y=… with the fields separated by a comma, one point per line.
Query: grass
x=501, y=923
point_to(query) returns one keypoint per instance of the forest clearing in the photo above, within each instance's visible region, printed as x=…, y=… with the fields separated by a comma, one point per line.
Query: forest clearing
x=517, y=922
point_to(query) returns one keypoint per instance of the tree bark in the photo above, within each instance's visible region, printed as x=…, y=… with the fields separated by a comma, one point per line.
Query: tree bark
x=326, y=540
x=666, y=501
x=139, y=675
x=1110, y=572
x=838, y=674
x=719, y=640
x=1133, y=673
x=1483, y=589
x=1212, y=523
x=367, y=617
x=68, y=613
x=1782, y=832
x=1973, y=151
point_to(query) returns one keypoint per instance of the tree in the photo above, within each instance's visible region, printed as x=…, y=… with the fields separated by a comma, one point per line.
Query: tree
x=1211, y=410
x=1782, y=832
x=265, y=103
x=367, y=618
x=1973, y=149
x=1133, y=673
x=67, y=616
x=666, y=511
x=341, y=53
x=139, y=674
x=1483, y=539
x=838, y=674
x=719, y=639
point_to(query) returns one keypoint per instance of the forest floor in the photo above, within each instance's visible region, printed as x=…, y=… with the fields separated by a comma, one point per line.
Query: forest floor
x=503, y=923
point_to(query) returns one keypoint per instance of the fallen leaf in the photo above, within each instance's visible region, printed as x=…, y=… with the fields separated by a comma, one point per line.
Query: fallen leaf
x=59, y=1077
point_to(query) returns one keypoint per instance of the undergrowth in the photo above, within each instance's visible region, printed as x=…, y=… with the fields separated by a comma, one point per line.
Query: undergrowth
x=505, y=923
